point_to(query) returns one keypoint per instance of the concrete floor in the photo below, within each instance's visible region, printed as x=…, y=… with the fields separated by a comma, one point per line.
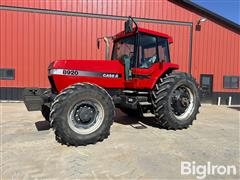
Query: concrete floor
x=134, y=150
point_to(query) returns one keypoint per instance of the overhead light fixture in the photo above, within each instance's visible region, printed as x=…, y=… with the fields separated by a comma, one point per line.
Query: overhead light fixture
x=198, y=26
x=202, y=20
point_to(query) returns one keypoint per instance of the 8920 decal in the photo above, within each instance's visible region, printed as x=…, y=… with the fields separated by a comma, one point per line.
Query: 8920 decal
x=70, y=72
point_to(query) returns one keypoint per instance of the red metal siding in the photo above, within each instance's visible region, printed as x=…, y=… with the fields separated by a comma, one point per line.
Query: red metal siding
x=29, y=41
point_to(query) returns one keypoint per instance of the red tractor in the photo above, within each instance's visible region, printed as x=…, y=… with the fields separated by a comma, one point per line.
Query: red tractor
x=139, y=79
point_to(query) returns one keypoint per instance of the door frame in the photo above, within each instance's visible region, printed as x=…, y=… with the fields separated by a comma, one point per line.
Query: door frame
x=207, y=98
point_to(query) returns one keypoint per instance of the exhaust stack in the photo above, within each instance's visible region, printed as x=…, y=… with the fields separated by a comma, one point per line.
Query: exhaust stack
x=107, y=45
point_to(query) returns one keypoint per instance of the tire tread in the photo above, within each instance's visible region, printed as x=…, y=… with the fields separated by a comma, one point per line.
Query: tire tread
x=56, y=114
x=160, y=95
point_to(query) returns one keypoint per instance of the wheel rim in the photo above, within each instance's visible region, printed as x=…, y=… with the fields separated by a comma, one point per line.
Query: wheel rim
x=86, y=116
x=182, y=102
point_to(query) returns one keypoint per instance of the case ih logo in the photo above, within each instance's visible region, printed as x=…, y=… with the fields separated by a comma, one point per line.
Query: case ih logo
x=68, y=72
x=110, y=75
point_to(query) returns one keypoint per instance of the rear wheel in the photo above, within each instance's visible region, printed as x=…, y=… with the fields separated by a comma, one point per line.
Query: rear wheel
x=176, y=100
x=82, y=114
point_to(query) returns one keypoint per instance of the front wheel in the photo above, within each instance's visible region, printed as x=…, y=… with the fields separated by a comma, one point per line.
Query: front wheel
x=176, y=100
x=82, y=114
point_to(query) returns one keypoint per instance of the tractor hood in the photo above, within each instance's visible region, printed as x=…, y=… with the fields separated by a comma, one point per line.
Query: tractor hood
x=105, y=73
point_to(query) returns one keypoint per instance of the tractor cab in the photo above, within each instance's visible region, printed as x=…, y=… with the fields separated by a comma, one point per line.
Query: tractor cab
x=141, y=51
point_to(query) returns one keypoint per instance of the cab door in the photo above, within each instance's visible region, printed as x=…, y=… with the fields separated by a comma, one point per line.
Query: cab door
x=153, y=50
x=146, y=60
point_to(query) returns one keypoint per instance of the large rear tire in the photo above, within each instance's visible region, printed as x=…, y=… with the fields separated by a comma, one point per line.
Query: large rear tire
x=82, y=114
x=176, y=100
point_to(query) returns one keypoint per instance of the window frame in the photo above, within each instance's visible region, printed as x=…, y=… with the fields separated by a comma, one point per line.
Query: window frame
x=7, y=77
x=210, y=76
x=230, y=86
x=168, y=51
x=135, y=48
x=138, y=48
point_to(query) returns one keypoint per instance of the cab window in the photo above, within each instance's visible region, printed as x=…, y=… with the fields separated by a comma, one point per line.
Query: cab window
x=163, y=50
x=148, y=54
x=124, y=49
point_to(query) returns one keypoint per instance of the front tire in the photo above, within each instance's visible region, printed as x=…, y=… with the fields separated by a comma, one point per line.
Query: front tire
x=176, y=101
x=82, y=114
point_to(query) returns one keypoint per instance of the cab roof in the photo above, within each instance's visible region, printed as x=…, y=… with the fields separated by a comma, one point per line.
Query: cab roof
x=122, y=34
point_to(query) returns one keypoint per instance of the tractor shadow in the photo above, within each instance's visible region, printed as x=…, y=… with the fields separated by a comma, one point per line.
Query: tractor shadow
x=42, y=125
x=135, y=122
x=122, y=118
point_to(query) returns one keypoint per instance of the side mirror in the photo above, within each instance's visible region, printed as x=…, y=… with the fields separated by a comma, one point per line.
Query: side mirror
x=128, y=26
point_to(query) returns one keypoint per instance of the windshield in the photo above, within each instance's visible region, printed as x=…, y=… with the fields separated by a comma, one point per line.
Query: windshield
x=124, y=48
x=152, y=49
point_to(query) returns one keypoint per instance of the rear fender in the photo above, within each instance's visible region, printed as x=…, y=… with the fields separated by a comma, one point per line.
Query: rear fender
x=165, y=68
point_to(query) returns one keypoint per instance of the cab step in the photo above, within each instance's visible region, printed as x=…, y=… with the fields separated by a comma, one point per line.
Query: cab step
x=142, y=92
x=128, y=91
x=145, y=103
x=135, y=92
x=148, y=115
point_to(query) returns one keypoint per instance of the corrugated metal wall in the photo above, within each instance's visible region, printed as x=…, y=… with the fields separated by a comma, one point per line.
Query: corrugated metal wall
x=29, y=41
